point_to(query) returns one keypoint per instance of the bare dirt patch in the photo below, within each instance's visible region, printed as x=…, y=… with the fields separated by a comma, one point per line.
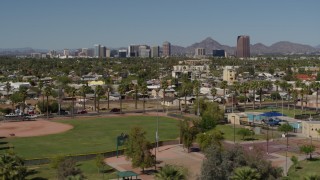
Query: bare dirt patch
x=32, y=128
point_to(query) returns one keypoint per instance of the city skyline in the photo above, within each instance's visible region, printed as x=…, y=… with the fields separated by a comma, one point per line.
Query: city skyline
x=60, y=24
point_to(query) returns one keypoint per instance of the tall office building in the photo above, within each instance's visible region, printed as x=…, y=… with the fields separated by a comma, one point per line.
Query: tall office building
x=97, y=50
x=155, y=51
x=200, y=52
x=243, y=47
x=66, y=52
x=133, y=51
x=108, y=53
x=144, y=51
x=122, y=53
x=166, y=49
x=102, y=53
x=218, y=53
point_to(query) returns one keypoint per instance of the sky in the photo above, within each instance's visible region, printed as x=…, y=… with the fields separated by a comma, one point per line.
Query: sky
x=58, y=24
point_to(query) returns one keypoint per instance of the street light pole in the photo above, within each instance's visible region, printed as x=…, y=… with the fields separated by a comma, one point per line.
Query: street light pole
x=234, y=129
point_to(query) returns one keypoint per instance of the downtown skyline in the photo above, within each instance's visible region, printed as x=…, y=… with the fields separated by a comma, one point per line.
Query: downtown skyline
x=59, y=24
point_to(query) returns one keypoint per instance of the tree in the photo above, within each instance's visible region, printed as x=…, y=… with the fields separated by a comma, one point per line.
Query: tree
x=15, y=98
x=137, y=149
x=277, y=84
x=47, y=92
x=72, y=92
x=316, y=87
x=211, y=114
x=263, y=85
x=144, y=90
x=83, y=91
x=224, y=85
x=164, y=86
x=136, y=89
x=295, y=94
x=308, y=150
x=244, y=87
x=196, y=91
x=208, y=138
x=100, y=92
x=245, y=132
x=286, y=128
x=8, y=88
x=68, y=169
x=188, y=134
x=23, y=91
x=186, y=90
x=99, y=160
x=122, y=90
x=254, y=85
x=171, y=172
x=245, y=173
x=294, y=161
x=12, y=167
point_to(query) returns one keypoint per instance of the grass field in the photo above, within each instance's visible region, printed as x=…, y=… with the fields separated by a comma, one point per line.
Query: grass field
x=91, y=135
x=88, y=168
x=306, y=168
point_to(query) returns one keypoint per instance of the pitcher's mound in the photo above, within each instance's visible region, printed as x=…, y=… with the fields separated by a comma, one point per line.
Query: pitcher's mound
x=32, y=128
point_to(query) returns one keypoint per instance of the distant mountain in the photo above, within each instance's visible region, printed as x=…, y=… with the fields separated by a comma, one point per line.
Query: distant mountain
x=318, y=47
x=20, y=51
x=209, y=44
x=282, y=47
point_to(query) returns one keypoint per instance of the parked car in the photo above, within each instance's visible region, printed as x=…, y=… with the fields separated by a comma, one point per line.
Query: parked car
x=30, y=116
x=82, y=112
x=272, y=122
x=62, y=112
x=115, y=110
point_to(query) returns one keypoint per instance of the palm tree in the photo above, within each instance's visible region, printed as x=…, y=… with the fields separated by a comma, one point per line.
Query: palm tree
x=24, y=94
x=100, y=92
x=47, y=92
x=72, y=92
x=245, y=173
x=83, y=90
x=316, y=86
x=170, y=172
x=164, y=86
x=263, y=85
x=244, y=87
x=295, y=94
x=122, y=90
x=277, y=84
x=224, y=85
x=40, y=86
x=8, y=88
x=254, y=85
x=15, y=98
x=196, y=90
x=186, y=90
x=286, y=128
x=136, y=89
x=144, y=90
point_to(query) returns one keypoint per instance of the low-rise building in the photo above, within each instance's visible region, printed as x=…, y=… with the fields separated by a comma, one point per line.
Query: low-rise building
x=311, y=128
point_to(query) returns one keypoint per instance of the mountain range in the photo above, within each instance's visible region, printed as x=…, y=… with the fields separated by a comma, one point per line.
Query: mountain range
x=281, y=47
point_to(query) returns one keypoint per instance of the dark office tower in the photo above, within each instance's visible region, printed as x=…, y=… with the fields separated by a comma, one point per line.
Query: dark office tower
x=243, y=47
x=166, y=49
x=218, y=53
x=97, y=50
x=102, y=52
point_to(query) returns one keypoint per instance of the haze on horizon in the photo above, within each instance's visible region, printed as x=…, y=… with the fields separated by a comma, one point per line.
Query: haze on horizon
x=73, y=24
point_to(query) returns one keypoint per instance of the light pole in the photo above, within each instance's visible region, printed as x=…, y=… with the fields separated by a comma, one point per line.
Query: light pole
x=282, y=105
x=234, y=129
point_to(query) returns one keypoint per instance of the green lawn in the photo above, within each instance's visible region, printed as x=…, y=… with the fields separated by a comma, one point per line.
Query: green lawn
x=306, y=168
x=88, y=168
x=228, y=131
x=289, y=113
x=91, y=136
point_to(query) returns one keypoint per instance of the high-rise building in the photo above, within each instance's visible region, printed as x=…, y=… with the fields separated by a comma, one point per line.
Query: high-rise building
x=84, y=51
x=96, y=50
x=200, y=52
x=102, y=53
x=144, y=51
x=243, y=47
x=66, y=52
x=133, y=51
x=122, y=53
x=166, y=49
x=108, y=53
x=218, y=53
x=155, y=51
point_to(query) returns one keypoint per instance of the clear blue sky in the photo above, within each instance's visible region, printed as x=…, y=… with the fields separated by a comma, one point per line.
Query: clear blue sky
x=58, y=24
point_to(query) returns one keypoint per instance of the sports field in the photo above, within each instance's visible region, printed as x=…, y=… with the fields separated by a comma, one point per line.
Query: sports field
x=89, y=135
